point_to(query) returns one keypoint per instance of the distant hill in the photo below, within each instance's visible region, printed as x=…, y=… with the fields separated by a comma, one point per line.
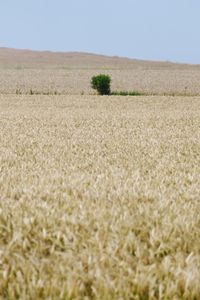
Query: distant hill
x=46, y=59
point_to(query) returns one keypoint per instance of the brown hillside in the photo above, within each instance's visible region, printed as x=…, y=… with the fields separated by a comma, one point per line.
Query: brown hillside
x=27, y=58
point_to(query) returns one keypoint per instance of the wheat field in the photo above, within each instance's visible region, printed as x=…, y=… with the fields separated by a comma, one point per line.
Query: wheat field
x=77, y=81
x=99, y=197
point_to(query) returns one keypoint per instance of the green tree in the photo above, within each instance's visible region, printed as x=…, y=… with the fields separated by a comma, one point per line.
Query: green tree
x=101, y=83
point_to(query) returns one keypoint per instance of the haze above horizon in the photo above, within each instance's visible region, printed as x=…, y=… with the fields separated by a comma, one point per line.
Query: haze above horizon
x=148, y=30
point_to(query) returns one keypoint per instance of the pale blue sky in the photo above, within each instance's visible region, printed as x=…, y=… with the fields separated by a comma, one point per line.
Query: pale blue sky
x=144, y=29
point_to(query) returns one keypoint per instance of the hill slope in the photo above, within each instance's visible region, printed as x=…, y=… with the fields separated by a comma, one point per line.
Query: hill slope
x=34, y=59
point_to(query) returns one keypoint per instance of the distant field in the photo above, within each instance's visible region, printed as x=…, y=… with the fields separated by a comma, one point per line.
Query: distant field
x=99, y=195
x=70, y=73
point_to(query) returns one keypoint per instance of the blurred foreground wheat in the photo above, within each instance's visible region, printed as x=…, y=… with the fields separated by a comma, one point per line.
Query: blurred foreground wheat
x=99, y=198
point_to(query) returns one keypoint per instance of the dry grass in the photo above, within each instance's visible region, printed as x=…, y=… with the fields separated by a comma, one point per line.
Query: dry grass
x=99, y=198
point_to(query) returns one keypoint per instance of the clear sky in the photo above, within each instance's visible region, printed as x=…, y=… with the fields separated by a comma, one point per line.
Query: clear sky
x=143, y=29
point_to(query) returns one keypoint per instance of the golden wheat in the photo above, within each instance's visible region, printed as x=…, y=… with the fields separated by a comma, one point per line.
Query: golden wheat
x=99, y=197
x=77, y=81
